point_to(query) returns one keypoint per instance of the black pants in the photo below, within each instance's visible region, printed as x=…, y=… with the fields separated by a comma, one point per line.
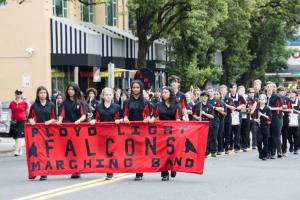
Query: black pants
x=275, y=133
x=263, y=140
x=228, y=134
x=254, y=129
x=17, y=129
x=245, y=133
x=221, y=135
x=284, y=133
x=236, y=132
x=212, y=145
x=294, y=134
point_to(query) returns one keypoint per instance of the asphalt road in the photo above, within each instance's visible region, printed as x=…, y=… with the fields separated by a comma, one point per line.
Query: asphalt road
x=239, y=176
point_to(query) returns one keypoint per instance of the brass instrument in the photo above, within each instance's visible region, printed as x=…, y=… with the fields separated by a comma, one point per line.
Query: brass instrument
x=91, y=110
x=200, y=111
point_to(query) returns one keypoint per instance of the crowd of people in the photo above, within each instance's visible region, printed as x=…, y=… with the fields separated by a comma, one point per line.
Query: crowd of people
x=266, y=119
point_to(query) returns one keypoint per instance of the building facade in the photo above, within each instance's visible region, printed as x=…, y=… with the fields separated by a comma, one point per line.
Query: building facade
x=54, y=42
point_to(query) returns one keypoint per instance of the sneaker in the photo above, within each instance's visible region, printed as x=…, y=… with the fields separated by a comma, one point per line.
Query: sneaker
x=75, y=176
x=173, y=174
x=43, y=178
x=165, y=178
x=109, y=176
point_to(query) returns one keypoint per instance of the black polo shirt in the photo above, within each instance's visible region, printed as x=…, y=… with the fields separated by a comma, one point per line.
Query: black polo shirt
x=275, y=101
x=215, y=103
x=237, y=100
x=206, y=108
x=137, y=109
x=42, y=113
x=72, y=111
x=263, y=121
x=163, y=112
x=181, y=99
x=110, y=114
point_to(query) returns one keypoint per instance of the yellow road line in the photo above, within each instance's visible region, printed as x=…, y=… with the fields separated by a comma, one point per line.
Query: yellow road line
x=73, y=188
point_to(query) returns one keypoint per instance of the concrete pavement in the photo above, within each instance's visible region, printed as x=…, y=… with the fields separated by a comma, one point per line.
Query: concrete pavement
x=6, y=144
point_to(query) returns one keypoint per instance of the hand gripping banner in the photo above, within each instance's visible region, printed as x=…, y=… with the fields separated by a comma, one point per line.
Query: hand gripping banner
x=116, y=148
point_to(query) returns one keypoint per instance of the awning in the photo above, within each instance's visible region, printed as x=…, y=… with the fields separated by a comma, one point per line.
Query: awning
x=73, y=44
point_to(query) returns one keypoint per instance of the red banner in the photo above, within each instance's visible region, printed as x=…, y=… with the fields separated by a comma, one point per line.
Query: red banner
x=112, y=148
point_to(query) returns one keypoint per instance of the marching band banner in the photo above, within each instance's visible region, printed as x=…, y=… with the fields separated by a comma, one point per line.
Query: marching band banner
x=116, y=148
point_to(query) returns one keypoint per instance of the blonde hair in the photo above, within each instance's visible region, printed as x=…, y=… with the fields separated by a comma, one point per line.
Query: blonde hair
x=105, y=90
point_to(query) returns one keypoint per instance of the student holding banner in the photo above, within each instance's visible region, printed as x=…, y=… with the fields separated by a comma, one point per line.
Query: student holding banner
x=73, y=109
x=107, y=111
x=294, y=121
x=168, y=109
x=136, y=108
x=42, y=111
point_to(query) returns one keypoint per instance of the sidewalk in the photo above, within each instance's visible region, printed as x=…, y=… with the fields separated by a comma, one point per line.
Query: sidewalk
x=6, y=144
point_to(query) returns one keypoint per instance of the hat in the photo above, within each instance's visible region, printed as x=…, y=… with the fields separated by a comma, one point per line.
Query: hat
x=18, y=92
x=204, y=94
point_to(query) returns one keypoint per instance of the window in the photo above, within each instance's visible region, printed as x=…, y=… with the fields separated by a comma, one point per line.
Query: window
x=61, y=77
x=3, y=4
x=87, y=12
x=111, y=13
x=59, y=8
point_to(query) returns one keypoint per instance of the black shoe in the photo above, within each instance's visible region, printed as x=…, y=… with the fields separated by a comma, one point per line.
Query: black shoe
x=291, y=149
x=236, y=151
x=260, y=156
x=213, y=155
x=296, y=152
x=264, y=158
x=226, y=152
x=245, y=150
x=219, y=153
x=279, y=155
x=165, y=178
x=75, y=176
x=173, y=174
x=32, y=178
x=109, y=176
x=272, y=157
x=254, y=147
x=43, y=178
x=138, y=178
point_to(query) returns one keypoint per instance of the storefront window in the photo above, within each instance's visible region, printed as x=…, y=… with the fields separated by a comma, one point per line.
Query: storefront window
x=61, y=77
x=59, y=8
x=87, y=12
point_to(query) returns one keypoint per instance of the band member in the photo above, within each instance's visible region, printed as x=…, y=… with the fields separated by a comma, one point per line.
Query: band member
x=174, y=82
x=221, y=115
x=91, y=103
x=257, y=88
x=251, y=106
x=286, y=113
x=107, y=111
x=294, y=121
x=275, y=104
x=136, y=108
x=19, y=110
x=168, y=109
x=228, y=145
x=216, y=104
x=58, y=105
x=238, y=102
x=42, y=111
x=245, y=123
x=203, y=111
x=73, y=109
x=262, y=116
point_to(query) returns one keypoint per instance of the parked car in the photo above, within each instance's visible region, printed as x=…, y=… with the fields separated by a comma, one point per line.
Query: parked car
x=4, y=118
